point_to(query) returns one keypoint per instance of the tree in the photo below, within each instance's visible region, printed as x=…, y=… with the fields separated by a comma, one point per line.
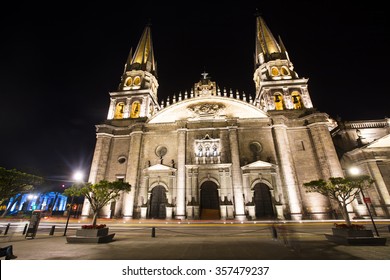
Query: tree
x=342, y=190
x=14, y=183
x=98, y=195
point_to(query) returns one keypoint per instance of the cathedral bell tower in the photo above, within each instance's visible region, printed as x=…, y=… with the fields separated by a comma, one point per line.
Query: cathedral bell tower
x=278, y=86
x=137, y=93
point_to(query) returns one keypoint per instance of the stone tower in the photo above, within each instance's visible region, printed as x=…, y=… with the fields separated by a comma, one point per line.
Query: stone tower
x=278, y=86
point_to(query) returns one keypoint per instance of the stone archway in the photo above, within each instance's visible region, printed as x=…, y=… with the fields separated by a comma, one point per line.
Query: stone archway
x=158, y=202
x=209, y=201
x=264, y=208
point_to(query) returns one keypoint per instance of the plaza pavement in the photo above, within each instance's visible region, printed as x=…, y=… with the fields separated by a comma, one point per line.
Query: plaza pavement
x=199, y=241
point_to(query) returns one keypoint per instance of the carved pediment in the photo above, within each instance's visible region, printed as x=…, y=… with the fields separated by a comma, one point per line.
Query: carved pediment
x=159, y=168
x=259, y=165
x=206, y=109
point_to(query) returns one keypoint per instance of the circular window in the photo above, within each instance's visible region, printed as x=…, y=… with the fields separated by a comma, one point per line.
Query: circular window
x=255, y=147
x=129, y=82
x=161, y=151
x=137, y=81
x=122, y=159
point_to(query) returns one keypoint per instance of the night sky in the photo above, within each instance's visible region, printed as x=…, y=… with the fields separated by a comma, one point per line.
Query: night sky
x=59, y=62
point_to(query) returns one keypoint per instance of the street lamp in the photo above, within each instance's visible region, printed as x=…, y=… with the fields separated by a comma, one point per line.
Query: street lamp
x=78, y=178
x=354, y=171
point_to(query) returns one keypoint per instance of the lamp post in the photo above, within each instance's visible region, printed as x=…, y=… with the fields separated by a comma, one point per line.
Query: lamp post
x=356, y=171
x=77, y=177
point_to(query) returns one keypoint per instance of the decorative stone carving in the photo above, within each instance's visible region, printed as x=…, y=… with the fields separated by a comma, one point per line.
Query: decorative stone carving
x=205, y=109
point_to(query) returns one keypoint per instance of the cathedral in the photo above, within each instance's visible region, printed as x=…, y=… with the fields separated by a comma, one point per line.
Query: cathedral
x=215, y=154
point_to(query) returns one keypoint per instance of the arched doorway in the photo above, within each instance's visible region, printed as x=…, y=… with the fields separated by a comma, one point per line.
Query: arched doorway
x=158, y=201
x=263, y=202
x=209, y=201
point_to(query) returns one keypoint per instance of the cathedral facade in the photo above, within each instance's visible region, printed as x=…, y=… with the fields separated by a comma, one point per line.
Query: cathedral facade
x=217, y=154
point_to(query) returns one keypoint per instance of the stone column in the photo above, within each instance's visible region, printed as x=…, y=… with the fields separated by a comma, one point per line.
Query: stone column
x=287, y=98
x=380, y=185
x=181, y=174
x=328, y=165
x=111, y=110
x=132, y=173
x=288, y=176
x=126, y=111
x=306, y=97
x=98, y=167
x=236, y=175
x=196, y=192
x=189, y=185
x=325, y=151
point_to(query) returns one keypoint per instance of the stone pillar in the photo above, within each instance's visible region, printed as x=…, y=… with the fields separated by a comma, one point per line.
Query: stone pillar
x=111, y=110
x=222, y=184
x=325, y=151
x=144, y=210
x=288, y=176
x=132, y=173
x=223, y=211
x=251, y=211
x=380, y=184
x=328, y=165
x=126, y=111
x=188, y=186
x=98, y=167
x=196, y=192
x=105, y=212
x=181, y=174
x=236, y=175
x=287, y=98
x=306, y=97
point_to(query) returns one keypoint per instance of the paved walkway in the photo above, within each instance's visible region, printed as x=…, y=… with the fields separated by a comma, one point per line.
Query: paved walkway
x=135, y=242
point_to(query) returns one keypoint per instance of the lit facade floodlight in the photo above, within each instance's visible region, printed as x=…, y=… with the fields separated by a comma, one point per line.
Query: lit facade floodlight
x=354, y=170
x=78, y=176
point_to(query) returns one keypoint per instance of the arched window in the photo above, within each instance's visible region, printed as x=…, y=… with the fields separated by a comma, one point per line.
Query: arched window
x=296, y=100
x=135, y=109
x=137, y=81
x=278, y=99
x=275, y=71
x=129, y=82
x=119, y=108
x=285, y=71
